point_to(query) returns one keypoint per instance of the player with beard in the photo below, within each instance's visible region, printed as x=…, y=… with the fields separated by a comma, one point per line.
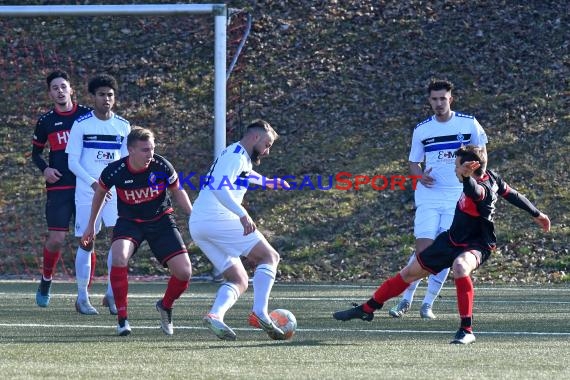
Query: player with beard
x=224, y=231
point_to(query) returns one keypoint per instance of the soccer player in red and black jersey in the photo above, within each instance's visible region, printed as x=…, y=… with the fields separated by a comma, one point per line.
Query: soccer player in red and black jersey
x=145, y=213
x=468, y=243
x=52, y=129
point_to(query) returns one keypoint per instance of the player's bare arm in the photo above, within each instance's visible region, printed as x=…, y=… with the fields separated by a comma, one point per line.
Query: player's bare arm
x=181, y=198
x=424, y=175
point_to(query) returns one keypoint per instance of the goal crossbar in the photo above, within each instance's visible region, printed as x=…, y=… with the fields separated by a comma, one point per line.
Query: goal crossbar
x=219, y=11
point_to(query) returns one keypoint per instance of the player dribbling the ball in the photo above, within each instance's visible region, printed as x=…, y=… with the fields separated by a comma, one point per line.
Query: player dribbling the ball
x=224, y=231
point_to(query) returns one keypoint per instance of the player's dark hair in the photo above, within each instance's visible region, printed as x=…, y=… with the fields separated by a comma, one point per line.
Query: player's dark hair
x=56, y=74
x=102, y=80
x=439, y=84
x=139, y=134
x=261, y=125
x=473, y=153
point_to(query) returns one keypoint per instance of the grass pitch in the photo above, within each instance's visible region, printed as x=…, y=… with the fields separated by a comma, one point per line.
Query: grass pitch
x=522, y=333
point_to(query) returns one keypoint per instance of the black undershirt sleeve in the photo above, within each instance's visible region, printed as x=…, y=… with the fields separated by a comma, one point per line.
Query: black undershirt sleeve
x=519, y=200
x=38, y=159
x=472, y=190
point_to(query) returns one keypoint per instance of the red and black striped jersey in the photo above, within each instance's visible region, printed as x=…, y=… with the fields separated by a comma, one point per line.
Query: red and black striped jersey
x=141, y=196
x=52, y=129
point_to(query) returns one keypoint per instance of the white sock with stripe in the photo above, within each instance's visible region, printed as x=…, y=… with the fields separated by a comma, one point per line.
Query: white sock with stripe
x=226, y=297
x=263, y=280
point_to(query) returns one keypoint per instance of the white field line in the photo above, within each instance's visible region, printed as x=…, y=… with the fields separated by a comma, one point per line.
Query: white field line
x=249, y=295
x=340, y=286
x=189, y=295
x=299, y=330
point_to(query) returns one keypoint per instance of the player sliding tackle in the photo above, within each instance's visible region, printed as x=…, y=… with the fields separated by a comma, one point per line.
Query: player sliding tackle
x=468, y=243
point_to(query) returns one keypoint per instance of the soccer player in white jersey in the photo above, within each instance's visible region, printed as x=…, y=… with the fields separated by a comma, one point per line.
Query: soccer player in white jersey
x=96, y=139
x=432, y=157
x=224, y=231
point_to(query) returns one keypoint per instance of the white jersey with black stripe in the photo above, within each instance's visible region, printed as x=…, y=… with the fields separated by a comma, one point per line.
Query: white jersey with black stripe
x=97, y=143
x=435, y=144
x=224, y=186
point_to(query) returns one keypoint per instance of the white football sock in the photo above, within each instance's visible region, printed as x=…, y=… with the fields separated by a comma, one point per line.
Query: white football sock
x=263, y=279
x=408, y=294
x=82, y=272
x=226, y=297
x=109, y=265
x=435, y=283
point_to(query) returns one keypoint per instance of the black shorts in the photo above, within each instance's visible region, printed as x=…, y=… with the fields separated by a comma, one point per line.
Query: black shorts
x=442, y=253
x=60, y=209
x=162, y=235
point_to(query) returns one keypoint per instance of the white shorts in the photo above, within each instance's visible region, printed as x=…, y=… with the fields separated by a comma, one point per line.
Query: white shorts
x=84, y=193
x=432, y=218
x=83, y=213
x=223, y=241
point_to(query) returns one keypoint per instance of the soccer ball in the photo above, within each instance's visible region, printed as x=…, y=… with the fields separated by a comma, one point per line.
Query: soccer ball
x=285, y=320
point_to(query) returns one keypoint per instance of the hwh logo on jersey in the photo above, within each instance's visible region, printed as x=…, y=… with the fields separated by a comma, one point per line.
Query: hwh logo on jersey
x=136, y=196
x=62, y=137
x=58, y=140
x=102, y=155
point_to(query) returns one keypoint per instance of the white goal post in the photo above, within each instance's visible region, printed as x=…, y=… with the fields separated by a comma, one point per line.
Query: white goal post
x=219, y=11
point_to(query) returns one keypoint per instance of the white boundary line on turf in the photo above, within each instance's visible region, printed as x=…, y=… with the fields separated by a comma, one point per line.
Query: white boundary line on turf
x=327, y=299
x=367, y=331
x=477, y=332
x=538, y=287
x=372, y=285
